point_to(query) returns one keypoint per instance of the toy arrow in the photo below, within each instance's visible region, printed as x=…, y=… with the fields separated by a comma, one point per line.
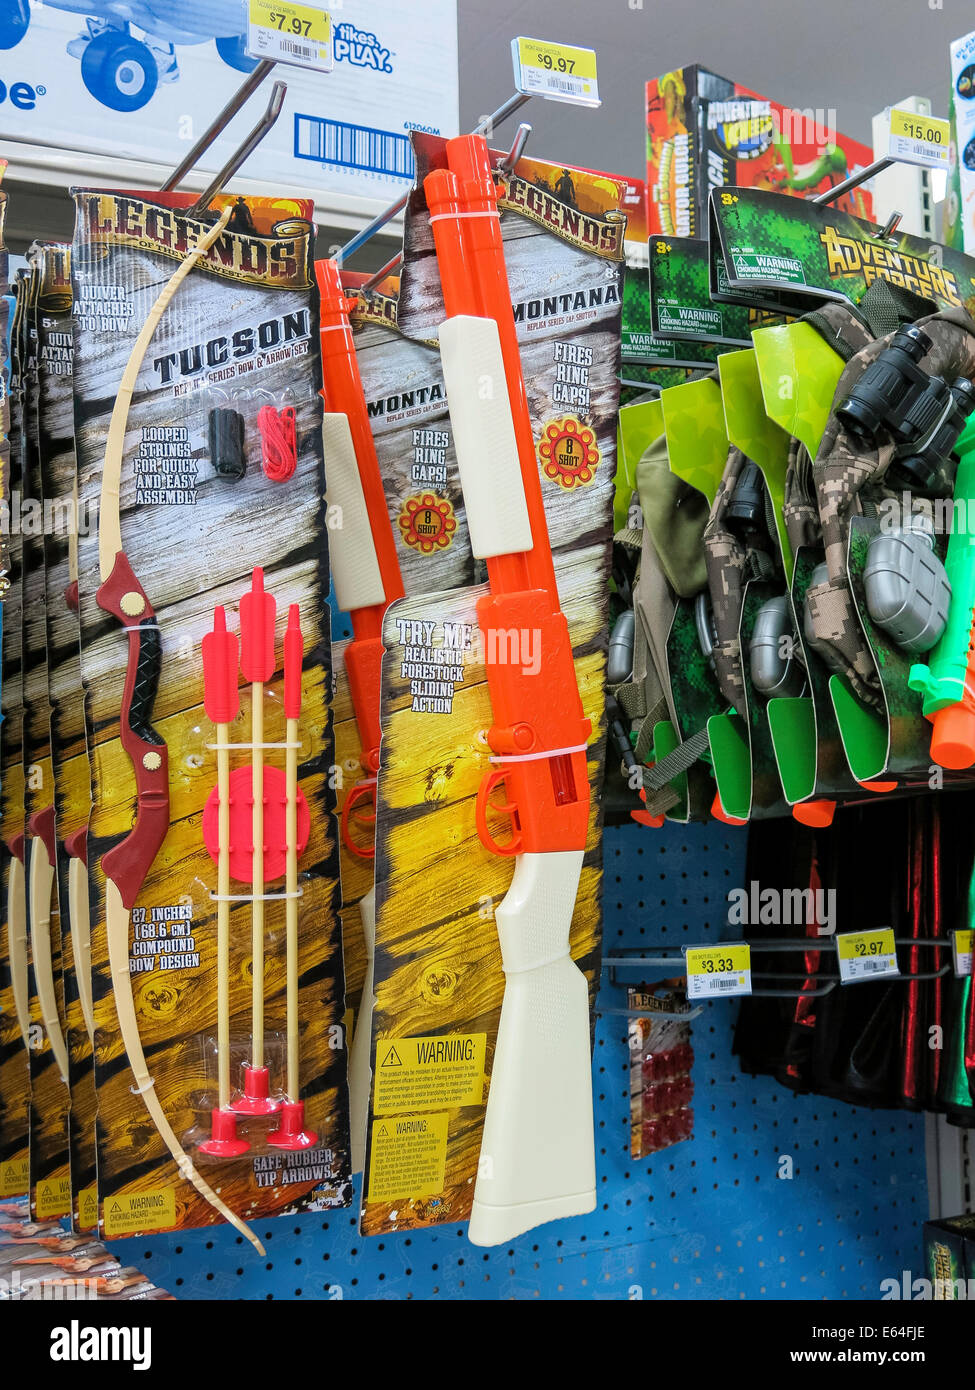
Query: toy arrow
x=126, y=866
x=221, y=700
x=257, y=617
x=291, y=1132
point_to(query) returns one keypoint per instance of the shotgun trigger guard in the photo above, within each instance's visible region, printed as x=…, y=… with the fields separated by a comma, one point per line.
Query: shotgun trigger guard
x=364, y=791
x=510, y=847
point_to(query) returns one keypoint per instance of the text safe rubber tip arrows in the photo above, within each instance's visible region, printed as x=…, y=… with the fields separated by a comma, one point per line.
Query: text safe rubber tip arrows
x=126, y=866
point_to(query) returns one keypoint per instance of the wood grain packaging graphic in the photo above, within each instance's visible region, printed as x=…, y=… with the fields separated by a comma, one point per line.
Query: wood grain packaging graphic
x=69, y=752
x=240, y=335
x=14, y=1062
x=439, y=982
x=50, y=1101
x=406, y=401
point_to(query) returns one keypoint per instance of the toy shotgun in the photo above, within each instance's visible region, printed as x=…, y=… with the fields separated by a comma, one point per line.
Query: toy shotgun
x=537, y=1158
x=948, y=682
x=365, y=569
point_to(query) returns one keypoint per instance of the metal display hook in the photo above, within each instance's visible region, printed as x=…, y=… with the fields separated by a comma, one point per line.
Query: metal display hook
x=513, y=104
x=854, y=181
x=243, y=151
x=219, y=123
x=507, y=164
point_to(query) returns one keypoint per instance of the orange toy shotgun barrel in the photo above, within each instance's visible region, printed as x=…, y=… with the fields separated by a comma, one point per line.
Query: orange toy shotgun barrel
x=538, y=716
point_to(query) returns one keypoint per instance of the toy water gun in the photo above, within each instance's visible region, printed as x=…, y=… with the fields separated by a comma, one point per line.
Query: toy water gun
x=537, y=1158
x=366, y=574
x=948, y=682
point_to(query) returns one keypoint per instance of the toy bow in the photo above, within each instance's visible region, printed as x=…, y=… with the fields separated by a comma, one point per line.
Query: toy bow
x=126, y=866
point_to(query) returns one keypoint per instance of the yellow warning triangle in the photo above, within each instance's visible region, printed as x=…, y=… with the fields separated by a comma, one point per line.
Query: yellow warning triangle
x=392, y=1058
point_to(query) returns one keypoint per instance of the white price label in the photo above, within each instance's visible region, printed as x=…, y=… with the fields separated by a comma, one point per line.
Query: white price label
x=718, y=972
x=555, y=70
x=290, y=33
x=961, y=950
x=866, y=955
x=919, y=139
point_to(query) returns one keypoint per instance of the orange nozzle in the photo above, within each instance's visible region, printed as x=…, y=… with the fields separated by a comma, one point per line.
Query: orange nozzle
x=953, y=736
x=878, y=787
x=719, y=812
x=816, y=814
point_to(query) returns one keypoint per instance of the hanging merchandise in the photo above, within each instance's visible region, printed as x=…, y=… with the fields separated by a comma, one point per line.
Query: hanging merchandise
x=173, y=306
x=14, y=1015
x=50, y=1099
x=69, y=754
x=661, y=1086
x=565, y=319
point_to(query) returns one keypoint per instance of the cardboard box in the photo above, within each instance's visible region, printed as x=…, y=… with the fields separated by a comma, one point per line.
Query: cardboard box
x=705, y=131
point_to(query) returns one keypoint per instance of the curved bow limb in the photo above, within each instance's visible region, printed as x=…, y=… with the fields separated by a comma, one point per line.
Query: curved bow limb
x=126, y=866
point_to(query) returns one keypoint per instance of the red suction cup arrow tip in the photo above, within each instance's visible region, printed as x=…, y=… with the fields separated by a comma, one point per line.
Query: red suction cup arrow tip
x=291, y=1132
x=294, y=651
x=220, y=696
x=257, y=617
x=255, y=1100
x=223, y=1142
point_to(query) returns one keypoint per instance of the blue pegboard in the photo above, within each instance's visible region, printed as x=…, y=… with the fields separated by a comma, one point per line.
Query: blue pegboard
x=706, y=1219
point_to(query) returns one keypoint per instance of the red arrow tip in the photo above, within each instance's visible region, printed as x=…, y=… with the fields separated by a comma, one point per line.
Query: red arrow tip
x=258, y=612
x=220, y=697
x=294, y=650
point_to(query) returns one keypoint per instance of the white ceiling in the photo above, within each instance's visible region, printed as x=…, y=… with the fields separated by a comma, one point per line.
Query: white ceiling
x=856, y=56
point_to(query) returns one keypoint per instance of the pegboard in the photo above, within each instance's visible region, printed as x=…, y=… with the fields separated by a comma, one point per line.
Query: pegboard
x=707, y=1219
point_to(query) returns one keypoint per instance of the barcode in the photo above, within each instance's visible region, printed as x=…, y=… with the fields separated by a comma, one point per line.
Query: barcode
x=725, y=984
x=300, y=50
x=354, y=146
x=548, y=82
x=870, y=967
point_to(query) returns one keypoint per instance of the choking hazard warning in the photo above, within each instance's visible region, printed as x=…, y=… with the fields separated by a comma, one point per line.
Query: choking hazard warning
x=408, y=1157
x=132, y=1212
x=429, y=1073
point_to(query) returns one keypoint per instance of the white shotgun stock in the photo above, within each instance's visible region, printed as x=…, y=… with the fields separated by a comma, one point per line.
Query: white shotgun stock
x=537, y=1158
x=351, y=550
x=360, y=1071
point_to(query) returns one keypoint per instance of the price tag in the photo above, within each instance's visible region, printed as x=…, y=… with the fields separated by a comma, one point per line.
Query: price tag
x=919, y=139
x=863, y=955
x=556, y=71
x=288, y=33
x=716, y=972
x=961, y=950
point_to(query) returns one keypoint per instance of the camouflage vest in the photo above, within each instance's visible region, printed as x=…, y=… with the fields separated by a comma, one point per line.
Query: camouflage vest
x=734, y=558
x=849, y=479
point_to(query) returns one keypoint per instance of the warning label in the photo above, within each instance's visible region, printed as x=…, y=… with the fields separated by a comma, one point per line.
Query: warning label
x=13, y=1177
x=429, y=1073
x=132, y=1212
x=87, y=1209
x=53, y=1198
x=408, y=1157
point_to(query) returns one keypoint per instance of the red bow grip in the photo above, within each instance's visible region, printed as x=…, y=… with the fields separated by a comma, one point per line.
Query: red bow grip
x=294, y=652
x=128, y=863
x=221, y=698
x=257, y=617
